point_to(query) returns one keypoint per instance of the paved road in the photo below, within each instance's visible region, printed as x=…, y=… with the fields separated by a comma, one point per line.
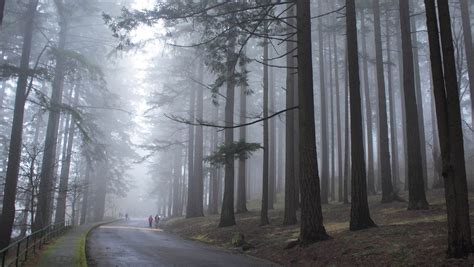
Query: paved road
x=134, y=244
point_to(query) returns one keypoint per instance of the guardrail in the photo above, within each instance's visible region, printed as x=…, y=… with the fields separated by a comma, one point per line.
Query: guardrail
x=17, y=252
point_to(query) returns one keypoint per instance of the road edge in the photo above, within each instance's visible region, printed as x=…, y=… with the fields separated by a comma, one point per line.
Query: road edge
x=81, y=253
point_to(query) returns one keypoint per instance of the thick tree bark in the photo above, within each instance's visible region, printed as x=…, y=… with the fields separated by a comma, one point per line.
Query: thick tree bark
x=467, y=32
x=368, y=110
x=227, y=211
x=241, y=186
x=360, y=215
x=198, y=172
x=14, y=152
x=384, y=150
x=191, y=206
x=416, y=197
x=312, y=228
x=266, y=148
x=419, y=101
x=448, y=115
x=324, y=122
x=290, y=163
x=43, y=213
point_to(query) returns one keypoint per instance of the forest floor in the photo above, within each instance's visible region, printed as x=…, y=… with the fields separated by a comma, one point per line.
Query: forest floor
x=402, y=237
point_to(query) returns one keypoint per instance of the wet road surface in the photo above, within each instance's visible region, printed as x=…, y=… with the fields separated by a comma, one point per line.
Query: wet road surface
x=132, y=243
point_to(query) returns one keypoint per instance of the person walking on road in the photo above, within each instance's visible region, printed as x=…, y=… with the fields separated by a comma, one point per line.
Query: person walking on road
x=150, y=221
x=157, y=220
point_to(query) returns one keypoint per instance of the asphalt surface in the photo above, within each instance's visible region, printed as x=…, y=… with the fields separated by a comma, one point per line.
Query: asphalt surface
x=133, y=243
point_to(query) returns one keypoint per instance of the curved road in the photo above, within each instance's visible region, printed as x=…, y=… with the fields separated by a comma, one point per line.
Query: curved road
x=132, y=243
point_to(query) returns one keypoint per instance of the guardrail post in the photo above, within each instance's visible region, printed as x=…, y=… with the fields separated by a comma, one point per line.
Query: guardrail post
x=17, y=253
x=40, y=240
x=34, y=243
x=26, y=248
x=4, y=257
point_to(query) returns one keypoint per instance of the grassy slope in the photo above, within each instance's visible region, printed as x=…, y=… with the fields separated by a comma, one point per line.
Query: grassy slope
x=402, y=238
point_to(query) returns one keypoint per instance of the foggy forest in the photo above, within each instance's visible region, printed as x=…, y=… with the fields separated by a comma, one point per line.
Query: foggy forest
x=297, y=132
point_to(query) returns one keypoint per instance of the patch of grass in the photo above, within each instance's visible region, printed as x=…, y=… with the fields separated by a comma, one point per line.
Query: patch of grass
x=80, y=255
x=336, y=226
x=203, y=238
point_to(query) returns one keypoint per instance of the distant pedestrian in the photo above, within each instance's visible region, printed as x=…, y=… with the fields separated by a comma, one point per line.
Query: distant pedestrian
x=157, y=220
x=150, y=221
x=126, y=216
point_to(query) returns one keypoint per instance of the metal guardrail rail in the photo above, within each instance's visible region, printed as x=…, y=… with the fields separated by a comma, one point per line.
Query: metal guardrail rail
x=17, y=252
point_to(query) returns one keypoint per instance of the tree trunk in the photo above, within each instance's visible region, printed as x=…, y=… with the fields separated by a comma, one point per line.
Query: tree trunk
x=290, y=164
x=332, y=126
x=419, y=101
x=340, y=185
x=384, y=151
x=198, y=172
x=466, y=29
x=368, y=110
x=241, y=186
x=347, y=147
x=403, y=109
x=272, y=139
x=87, y=188
x=45, y=194
x=227, y=211
x=324, y=123
x=266, y=148
x=311, y=227
x=65, y=167
x=448, y=114
x=416, y=196
x=360, y=215
x=281, y=157
x=214, y=195
x=296, y=133
x=393, y=114
x=191, y=206
x=14, y=152
x=176, y=178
